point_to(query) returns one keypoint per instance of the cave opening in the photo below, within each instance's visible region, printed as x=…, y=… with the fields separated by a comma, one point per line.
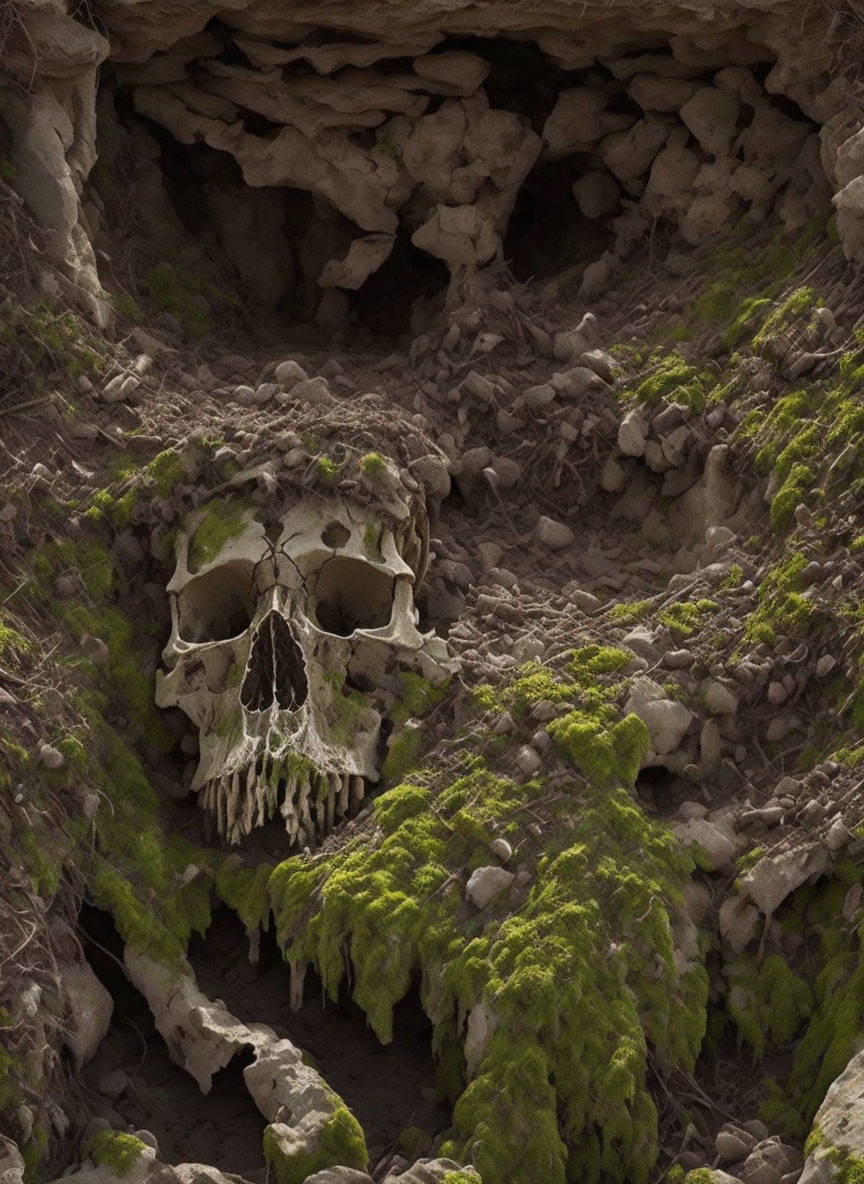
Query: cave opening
x=662, y=791
x=132, y=1083
x=391, y=1089
x=331, y=189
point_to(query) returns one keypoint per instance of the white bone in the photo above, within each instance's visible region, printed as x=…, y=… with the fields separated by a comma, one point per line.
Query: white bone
x=296, y=708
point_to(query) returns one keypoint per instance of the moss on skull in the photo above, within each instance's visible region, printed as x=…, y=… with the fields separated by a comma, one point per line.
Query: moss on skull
x=373, y=465
x=224, y=519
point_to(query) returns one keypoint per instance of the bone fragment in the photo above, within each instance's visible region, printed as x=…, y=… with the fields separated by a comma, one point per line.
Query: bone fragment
x=344, y=789
x=261, y=796
x=356, y=790
x=303, y=808
x=249, y=799
x=297, y=976
x=330, y=802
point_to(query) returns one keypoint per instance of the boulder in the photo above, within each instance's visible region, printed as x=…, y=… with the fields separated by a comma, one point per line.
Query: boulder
x=667, y=720
x=712, y=117
x=434, y=1171
x=715, y=839
x=655, y=93
x=88, y=1007
x=629, y=154
x=838, y=1128
x=775, y=877
x=578, y=120
x=770, y=1161
x=597, y=193
x=485, y=883
x=552, y=534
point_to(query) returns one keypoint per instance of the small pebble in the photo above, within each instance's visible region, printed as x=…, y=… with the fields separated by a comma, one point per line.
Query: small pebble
x=678, y=659
x=552, y=534
x=50, y=757
x=825, y=665
x=528, y=760
x=502, y=849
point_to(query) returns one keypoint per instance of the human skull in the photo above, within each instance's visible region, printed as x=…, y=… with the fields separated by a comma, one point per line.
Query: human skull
x=288, y=644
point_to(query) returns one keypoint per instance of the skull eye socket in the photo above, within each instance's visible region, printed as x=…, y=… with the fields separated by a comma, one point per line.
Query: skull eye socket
x=217, y=605
x=335, y=535
x=350, y=594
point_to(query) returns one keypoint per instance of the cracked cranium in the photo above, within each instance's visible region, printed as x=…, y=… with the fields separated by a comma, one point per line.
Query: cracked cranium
x=288, y=645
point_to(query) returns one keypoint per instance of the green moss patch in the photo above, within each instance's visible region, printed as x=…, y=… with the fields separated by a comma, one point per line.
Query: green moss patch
x=224, y=519
x=577, y=966
x=115, y=1150
x=340, y=1141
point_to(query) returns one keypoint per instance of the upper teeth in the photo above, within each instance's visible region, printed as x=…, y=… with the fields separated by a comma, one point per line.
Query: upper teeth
x=308, y=801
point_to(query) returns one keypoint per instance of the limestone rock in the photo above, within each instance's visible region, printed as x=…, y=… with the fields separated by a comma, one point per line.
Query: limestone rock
x=339, y=1176
x=775, y=877
x=739, y=922
x=715, y=839
x=289, y=373
x=552, y=534
x=840, y=1125
x=463, y=236
x=310, y=390
x=88, y=1006
x=667, y=720
x=653, y=92
x=528, y=760
x=719, y=699
x=365, y=256
x=579, y=119
x=11, y=1162
x=485, y=883
x=769, y=1161
x=458, y=69
x=433, y=1171
x=712, y=116
x=597, y=193
x=51, y=757
x=710, y=1176
x=629, y=154
x=502, y=849
x=733, y=1143
x=632, y=433
x=670, y=183
x=613, y=475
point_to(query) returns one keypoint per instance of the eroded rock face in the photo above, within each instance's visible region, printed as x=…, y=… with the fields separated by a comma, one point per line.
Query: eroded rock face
x=400, y=135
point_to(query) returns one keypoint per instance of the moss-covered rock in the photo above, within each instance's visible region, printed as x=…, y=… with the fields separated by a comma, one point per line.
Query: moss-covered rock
x=339, y=1141
x=117, y=1151
x=577, y=968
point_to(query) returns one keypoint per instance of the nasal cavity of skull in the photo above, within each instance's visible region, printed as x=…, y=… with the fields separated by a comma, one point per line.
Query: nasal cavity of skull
x=216, y=605
x=276, y=672
x=349, y=594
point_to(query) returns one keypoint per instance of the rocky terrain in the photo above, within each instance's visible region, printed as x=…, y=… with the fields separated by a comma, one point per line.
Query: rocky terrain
x=431, y=560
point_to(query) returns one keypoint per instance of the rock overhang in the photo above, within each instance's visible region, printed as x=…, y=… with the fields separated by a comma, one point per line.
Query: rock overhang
x=391, y=134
